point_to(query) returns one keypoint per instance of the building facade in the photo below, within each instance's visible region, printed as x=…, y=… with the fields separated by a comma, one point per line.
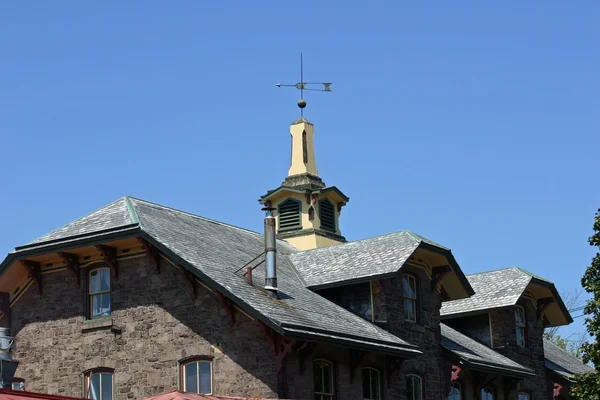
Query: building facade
x=137, y=299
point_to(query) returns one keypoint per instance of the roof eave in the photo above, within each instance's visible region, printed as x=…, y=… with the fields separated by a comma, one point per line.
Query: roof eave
x=453, y=263
x=68, y=243
x=556, y=296
x=489, y=367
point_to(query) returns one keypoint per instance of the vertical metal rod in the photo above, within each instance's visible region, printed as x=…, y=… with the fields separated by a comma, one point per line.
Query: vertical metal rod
x=301, y=83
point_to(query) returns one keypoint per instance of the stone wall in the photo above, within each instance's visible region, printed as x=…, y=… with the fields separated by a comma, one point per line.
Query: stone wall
x=425, y=334
x=532, y=356
x=155, y=323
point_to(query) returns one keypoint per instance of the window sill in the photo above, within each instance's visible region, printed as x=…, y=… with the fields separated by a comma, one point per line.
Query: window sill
x=98, y=323
x=415, y=327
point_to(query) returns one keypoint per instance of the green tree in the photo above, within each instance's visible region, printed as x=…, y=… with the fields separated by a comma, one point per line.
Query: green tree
x=588, y=385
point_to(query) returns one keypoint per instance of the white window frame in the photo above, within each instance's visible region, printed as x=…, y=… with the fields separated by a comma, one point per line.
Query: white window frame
x=91, y=294
x=183, y=376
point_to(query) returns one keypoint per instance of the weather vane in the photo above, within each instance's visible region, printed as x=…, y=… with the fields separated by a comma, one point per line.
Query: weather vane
x=303, y=86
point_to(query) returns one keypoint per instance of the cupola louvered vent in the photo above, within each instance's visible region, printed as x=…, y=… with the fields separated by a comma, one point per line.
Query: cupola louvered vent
x=327, y=215
x=290, y=216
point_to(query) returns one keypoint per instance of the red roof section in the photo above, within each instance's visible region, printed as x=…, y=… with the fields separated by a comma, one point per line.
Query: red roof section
x=176, y=395
x=8, y=394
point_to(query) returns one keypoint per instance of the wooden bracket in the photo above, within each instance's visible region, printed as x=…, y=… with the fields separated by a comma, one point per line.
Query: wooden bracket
x=109, y=254
x=72, y=262
x=228, y=306
x=455, y=375
x=356, y=359
x=339, y=207
x=5, y=305
x=281, y=346
x=151, y=252
x=392, y=364
x=438, y=273
x=542, y=304
x=35, y=272
x=189, y=279
x=556, y=389
x=304, y=351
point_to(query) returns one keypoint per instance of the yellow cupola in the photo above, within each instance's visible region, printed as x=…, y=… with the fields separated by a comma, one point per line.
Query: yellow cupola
x=307, y=211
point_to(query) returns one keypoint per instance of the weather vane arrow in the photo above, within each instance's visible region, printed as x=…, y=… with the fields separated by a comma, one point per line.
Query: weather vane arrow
x=326, y=87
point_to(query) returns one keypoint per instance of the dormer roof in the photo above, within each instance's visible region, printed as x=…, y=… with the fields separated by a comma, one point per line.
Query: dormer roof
x=375, y=258
x=504, y=288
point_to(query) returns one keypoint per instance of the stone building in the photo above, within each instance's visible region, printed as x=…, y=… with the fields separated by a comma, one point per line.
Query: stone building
x=138, y=299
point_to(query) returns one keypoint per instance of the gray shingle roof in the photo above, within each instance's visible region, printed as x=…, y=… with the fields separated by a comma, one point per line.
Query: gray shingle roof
x=111, y=216
x=494, y=289
x=213, y=251
x=373, y=257
x=478, y=356
x=563, y=363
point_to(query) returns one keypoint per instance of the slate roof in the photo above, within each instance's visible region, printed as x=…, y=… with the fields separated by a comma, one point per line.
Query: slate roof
x=562, y=363
x=213, y=251
x=364, y=259
x=477, y=356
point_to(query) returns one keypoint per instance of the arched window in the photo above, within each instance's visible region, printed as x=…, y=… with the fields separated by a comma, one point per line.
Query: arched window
x=414, y=387
x=455, y=391
x=487, y=393
x=98, y=288
x=17, y=384
x=521, y=325
x=99, y=384
x=323, y=379
x=371, y=384
x=411, y=298
x=196, y=375
x=327, y=215
x=289, y=215
x=523, y=396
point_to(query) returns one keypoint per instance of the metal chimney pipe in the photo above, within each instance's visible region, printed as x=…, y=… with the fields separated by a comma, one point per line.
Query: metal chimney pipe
x=270, y=253
x=8, y=366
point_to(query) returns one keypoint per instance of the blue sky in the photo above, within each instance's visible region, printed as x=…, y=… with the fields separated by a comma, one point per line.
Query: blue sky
x=475, y=125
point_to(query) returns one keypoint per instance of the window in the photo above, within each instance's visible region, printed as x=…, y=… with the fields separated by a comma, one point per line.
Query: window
x=327, y=215
x=487, y=394
x=196, y=376
x=371, y=384
x=17, y=384
x=520, y=325
x=454, y=392
x=99, y=384
x=409, y=291
x=99, y=293
x=523, y=396
x=323, y=380
x=414, y=387
x=289, y=215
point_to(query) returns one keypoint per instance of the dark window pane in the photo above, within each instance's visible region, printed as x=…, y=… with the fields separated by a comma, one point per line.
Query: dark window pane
x=95, y=281
x=375, y=384
x=410, y=314
x=366, y=379
x=191, y=376
x=100, y=305
x=205, y=381
x=327, y=384
x=106, y=386
x=105, y=280
x=94, y=389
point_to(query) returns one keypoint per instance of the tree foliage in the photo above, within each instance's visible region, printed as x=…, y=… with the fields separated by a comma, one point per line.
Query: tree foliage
x=588, y=385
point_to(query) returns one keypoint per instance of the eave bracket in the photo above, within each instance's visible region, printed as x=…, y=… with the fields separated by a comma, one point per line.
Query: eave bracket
x=151, y=252
x=72, y=262
x=109, y=254
x=35, y=272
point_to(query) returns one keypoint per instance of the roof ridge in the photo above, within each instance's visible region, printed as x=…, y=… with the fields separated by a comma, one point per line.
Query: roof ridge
x=496, y=270
x=78, y=219
x=194, y=215
x=356, y=241
x=132, y=213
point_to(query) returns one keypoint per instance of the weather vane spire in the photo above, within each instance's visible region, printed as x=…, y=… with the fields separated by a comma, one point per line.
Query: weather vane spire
x=306, y=86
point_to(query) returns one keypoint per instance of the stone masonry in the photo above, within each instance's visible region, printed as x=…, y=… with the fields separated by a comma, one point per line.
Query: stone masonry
x=155, y=323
